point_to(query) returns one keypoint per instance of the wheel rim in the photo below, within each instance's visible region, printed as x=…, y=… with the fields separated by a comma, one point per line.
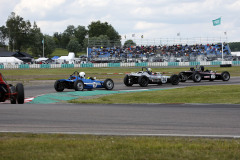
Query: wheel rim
x=109, y=84
x=225, y=76
x=197, y=77
x=80, y=86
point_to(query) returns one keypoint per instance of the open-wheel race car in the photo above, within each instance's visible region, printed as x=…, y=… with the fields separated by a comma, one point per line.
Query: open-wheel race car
x=78, y=82
x=199, y=73
x=9, y=92
x=145, y=77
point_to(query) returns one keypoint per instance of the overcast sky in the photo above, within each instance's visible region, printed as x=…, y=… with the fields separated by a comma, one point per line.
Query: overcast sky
x=152, y=18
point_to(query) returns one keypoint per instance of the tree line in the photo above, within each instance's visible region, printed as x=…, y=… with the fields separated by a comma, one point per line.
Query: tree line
x=21, y=35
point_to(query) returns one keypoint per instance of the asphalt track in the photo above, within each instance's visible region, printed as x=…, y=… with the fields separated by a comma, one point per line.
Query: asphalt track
x=204, y=120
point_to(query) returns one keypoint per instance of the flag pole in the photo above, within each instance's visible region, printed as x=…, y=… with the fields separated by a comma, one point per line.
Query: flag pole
x=43, y=46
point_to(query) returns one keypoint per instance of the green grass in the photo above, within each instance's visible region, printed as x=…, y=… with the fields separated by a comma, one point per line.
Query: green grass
x=225, y=94
x=34, y=74
x=58, y=146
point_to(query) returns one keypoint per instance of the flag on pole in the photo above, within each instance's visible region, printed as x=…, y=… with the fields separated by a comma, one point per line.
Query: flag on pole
x=216, y=21
x=142, y=36
x=43, y=41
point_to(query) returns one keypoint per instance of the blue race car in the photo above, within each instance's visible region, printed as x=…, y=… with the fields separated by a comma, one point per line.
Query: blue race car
x=78, y=82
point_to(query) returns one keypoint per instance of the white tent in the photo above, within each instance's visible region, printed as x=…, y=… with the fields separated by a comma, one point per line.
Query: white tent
x=70, y=58
x=10, y=60
x=235, y=53
x=41, y=59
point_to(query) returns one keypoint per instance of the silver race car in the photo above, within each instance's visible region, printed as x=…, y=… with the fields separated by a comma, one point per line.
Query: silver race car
x=145, y=77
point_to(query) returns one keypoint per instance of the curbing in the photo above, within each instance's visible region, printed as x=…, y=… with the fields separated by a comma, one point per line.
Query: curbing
x=132, y=64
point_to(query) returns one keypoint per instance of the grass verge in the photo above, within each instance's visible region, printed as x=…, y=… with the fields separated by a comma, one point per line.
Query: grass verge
x=225, y=94
x=58, y=146
x=49, y=74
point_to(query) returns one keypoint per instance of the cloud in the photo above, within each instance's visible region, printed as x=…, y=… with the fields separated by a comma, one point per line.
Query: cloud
x=161, y=18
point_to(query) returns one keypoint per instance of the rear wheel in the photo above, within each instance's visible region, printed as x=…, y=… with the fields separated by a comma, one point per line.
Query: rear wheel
x=108, y=84
x=128, y=80
x=174, y=79
x=225, y=76
x=143, y=81
x=20, y=93
x=78, y=85
x=196, y=77
x=59, y=86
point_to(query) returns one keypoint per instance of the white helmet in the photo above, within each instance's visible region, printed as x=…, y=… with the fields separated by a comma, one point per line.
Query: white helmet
x=82, y=74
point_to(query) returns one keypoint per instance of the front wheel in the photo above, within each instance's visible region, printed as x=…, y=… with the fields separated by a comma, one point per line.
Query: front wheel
x=20, y=93
x=108, y=84
x=128, y=80
x=13, y=98
x=196, y=77
x=143, y=81
x=174, y=79
x=225, y=76
x=78, y=85
x=59, y=86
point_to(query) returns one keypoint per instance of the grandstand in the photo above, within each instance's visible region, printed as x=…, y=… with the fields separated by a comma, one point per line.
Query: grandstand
x=163, y=52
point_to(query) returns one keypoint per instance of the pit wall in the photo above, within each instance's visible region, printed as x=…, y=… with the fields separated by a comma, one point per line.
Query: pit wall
x=98, y=65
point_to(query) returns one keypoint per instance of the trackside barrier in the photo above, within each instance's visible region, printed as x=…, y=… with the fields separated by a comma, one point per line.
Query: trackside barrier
x=194, y=63
x=67, y=65
x=45, y=66
x=114, y=65
x=142, y=64
x=132, y=64
x=87, y=65
x=236, y=62
x=24, y=66
x=216, y=63
x=173, y=64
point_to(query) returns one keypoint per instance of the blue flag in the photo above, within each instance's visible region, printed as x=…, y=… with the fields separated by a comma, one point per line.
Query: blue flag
x=216, y=21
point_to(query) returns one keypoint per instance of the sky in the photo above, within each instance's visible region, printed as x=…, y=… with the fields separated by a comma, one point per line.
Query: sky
x=156, y=20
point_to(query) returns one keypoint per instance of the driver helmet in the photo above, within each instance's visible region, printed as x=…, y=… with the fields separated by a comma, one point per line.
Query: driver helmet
x=150, y=69
x=82, y=74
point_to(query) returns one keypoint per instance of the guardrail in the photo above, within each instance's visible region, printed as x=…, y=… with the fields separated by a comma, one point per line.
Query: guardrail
x=142, y=64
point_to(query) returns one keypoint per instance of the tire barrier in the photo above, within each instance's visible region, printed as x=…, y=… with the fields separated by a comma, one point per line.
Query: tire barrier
x=131, y=64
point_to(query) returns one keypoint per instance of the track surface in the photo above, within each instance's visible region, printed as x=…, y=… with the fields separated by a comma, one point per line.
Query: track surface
x=146, y=119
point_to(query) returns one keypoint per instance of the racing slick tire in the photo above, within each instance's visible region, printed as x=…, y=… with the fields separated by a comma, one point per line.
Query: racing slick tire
x=174, y=79
x=78, y=85
x=182, y=77
x=13, y=99
x=58, y=85
x=20, y=93
x=196, y=77
x=225, y=75
x=128, y=80
x=108, y=84
x=143, y=81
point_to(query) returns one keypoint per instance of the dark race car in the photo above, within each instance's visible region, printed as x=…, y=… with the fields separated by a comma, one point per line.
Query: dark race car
x=198, y=74
x=78, y=82
x=9, y=92
x=145, y=77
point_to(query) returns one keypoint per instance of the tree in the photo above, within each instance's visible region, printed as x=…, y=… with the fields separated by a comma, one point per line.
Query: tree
x=18, y=32
x=36, y=44
x=129, y=43
x=3, y=35
x=73, y=46
x=80, y=33
x=49, y=45
x=95, y=29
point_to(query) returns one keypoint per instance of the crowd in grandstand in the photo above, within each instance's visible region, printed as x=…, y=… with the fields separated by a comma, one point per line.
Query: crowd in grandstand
x=164, y=50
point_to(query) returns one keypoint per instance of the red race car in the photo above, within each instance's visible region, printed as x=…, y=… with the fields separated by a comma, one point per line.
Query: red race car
x=9, y=92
